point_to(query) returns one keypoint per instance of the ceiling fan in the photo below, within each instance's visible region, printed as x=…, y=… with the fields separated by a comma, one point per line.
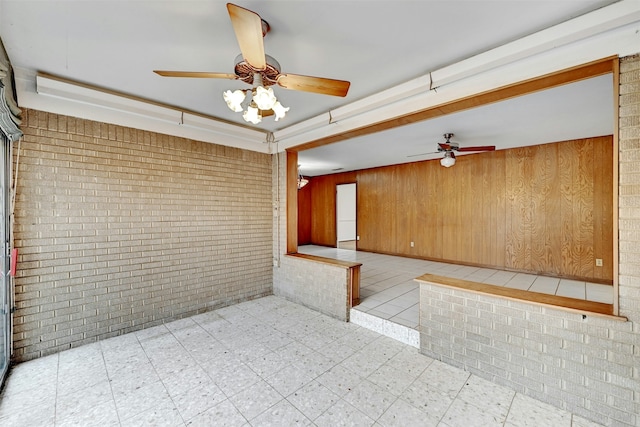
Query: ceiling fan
x=260, y=71
x=449, y=147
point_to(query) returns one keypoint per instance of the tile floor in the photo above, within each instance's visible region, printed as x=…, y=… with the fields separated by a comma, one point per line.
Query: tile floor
x=266, y=362
x=388, y=291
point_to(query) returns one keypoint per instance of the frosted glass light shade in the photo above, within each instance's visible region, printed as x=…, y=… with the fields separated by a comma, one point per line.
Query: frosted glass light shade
x=265, y=99
x=252, y=115
x=447, y=161
x=279, y=111
x=234, y=100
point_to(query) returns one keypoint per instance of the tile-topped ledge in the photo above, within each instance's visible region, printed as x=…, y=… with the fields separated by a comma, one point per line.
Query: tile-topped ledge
x=565, y=303
x=325, y=260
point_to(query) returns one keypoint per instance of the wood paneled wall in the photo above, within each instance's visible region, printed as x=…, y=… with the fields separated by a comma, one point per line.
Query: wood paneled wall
x=544, y=209
x=323, y=206
x=304, y=215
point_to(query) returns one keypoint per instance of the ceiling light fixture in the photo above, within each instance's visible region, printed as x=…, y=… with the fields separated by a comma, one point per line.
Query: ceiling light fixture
x=302, y=181
x=262, y=100
x=448, y=160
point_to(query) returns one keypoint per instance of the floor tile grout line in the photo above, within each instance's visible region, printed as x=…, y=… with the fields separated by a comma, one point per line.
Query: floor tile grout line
x=197, y=363
x=513, y=398
x=55, y=401
x=159, y=379
x=113, y=396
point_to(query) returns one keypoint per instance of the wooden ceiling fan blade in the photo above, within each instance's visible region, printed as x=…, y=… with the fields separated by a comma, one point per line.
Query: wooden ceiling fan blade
x=314, y=84
x=482, y=148
x=423, y=154
x=196, y=74
x=249, y=32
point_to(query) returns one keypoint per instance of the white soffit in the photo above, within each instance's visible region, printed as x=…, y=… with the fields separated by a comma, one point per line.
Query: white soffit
x=63, y=97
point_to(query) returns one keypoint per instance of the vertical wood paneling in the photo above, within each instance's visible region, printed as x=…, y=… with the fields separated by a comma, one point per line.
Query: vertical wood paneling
x=517, y=207
x=552, y=258
x=448, y=213
x=429, y=232
x=544, y=209
x=323, y=223
x=474, y=233
x=483, y=178
x=410, y=205
x=603, y=247
x=292, y=207
x=567, y=164
x=366, y=210
x=539, y=190
x=304, y=215
x=498, y=179
x=585, y=196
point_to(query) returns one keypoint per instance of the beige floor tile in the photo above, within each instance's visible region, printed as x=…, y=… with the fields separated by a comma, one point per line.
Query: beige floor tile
x=196, y=373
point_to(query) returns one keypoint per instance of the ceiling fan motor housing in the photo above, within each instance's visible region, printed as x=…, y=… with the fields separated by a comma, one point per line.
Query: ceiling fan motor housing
x=245, y=72
x=452, y=146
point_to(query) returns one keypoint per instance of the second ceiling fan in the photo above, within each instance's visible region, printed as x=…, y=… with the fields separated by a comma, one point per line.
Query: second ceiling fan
x=449, y=148
x=260, y=71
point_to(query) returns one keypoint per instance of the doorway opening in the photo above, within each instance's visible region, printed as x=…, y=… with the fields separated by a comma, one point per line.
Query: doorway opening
x=346, y=208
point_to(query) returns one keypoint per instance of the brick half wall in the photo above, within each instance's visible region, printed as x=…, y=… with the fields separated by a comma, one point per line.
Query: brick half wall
x=584, y=365
x=320, y=286
x=589, y=366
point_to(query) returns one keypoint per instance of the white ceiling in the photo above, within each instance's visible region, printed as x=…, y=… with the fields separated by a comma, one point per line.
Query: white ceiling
x=377, y=45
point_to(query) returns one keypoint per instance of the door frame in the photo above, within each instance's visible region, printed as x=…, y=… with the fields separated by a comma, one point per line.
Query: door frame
x=6, y=281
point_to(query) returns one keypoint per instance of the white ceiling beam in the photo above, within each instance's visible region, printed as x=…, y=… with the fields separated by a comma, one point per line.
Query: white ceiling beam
x=60, y=96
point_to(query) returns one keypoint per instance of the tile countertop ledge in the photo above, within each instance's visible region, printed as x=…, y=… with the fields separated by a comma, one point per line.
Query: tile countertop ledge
x=564, y=303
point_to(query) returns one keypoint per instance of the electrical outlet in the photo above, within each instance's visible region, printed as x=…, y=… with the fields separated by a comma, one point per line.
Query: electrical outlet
x=412, y=245
x=598, y=262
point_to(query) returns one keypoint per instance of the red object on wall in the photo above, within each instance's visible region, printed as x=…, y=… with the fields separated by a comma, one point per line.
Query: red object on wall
x=14, y=262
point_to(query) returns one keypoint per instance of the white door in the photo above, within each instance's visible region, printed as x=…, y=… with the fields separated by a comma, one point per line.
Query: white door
x=346, y=212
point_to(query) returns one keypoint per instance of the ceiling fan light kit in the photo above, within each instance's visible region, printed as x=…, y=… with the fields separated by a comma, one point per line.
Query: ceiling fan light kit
x=449, y=147
x=302, y=181
x=256, y=68
x=448, y=160
x=262, y=100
